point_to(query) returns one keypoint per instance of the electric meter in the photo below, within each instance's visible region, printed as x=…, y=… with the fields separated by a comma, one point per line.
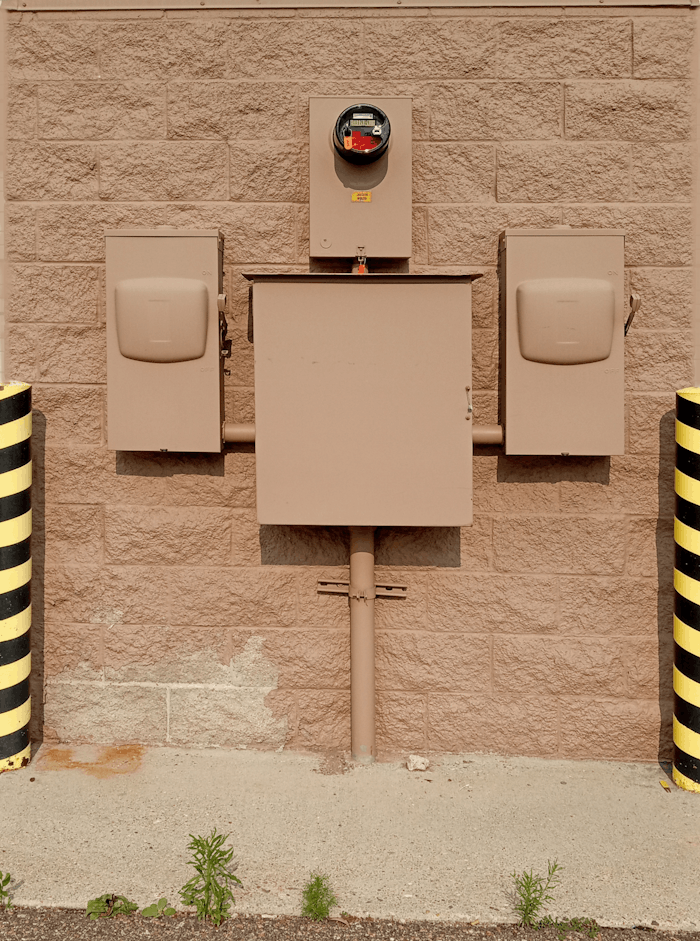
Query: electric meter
x=362, y=134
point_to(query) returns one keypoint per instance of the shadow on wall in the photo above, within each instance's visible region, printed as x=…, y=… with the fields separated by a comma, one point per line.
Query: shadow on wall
x=665, y=549
x=147, y=464
x=36, y=728
x=408, y=546
x=549, y=469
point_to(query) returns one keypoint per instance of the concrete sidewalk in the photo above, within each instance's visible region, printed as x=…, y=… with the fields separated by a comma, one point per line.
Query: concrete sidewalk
x=438, y=844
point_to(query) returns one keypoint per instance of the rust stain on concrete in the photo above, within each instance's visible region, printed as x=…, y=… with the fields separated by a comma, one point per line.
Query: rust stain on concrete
x=103, y=761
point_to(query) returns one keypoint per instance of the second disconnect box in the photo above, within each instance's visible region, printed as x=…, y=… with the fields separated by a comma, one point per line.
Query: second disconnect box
x=563, y=299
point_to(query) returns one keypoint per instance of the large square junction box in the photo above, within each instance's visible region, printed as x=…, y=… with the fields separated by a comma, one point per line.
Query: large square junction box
x=362, y=399
x=360, y=208
x=563, y=294
x=164, y=365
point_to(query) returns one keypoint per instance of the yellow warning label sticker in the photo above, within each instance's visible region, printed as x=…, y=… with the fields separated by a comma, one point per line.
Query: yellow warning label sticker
x=362, y=196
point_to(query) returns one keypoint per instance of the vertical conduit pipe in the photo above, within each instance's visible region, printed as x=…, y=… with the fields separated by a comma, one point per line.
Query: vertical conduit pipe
x=361, y=595
x=686, y=581
x=15, y=573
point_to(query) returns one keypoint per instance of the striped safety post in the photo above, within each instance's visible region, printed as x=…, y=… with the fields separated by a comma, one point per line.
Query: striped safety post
x=686, y=581
x=15, y=572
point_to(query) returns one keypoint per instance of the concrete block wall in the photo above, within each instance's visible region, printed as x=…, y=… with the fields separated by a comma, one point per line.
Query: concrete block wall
x=163, y=612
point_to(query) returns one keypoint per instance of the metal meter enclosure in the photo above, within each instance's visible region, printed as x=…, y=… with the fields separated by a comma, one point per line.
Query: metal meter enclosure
x=563, y=298
x=164, y=340
x=362, y=399
x=360, y=177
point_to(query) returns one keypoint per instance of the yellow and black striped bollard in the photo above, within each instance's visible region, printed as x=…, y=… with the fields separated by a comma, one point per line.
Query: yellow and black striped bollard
x=686, y=581
x=15, y=573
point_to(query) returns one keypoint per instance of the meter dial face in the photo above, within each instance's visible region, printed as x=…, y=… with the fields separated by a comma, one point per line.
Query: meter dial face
x=361, y=134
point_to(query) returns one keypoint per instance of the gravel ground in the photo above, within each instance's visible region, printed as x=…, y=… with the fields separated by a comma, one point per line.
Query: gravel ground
x=55, y=924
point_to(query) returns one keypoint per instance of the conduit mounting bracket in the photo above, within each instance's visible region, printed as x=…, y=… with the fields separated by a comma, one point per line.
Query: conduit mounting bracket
x=385, y=590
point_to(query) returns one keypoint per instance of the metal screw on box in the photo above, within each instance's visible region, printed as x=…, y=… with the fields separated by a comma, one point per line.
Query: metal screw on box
x=15, y=573
x=686, y=581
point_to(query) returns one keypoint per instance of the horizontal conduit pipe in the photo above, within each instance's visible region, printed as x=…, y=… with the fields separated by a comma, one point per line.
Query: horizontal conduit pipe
x=481, y=434
x=238, y=434
x=487, y=434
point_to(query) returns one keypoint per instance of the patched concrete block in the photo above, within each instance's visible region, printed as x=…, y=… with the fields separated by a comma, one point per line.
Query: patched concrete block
x=230, y=716
x=105, y=713
x=73, y=651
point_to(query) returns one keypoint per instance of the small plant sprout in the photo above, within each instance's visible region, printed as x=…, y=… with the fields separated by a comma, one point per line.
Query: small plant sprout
x=158, y=909
x=210, y=888
x=108, y=905
x=587, y=926
x=533, y=891
x=317, y=897
x=4, y=890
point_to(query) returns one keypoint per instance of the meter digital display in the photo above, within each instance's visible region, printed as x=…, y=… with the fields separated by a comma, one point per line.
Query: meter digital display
x=362, y=133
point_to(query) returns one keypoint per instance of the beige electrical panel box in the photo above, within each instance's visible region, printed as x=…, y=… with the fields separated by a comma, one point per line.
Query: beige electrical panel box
x=362, y=399
x=360, y=177
x=164, y=365
x=563, y=294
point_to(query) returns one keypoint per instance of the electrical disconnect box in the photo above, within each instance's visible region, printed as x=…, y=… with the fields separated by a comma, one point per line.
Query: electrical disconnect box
x=360, y=177
x=563, y=294
x=165, y=338
x=363, y=399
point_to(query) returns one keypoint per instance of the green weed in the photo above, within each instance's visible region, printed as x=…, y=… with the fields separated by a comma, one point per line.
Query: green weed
x=317, y=897
x=4, y=891
x=533, y=891
x=587, y=926
x=158, y=909
x=210, y=888
x=108, y=905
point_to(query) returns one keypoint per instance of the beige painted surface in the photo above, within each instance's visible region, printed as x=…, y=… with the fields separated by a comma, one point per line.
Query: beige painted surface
x=164, y=613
